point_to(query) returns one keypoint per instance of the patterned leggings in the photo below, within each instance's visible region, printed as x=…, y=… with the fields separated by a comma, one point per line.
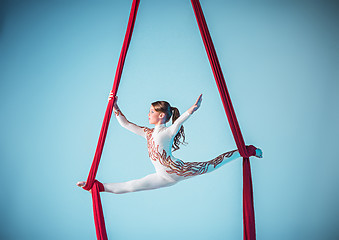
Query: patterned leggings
x=181, y=171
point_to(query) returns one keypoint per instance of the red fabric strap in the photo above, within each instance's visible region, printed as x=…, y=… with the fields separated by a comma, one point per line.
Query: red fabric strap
x=100, y=186
x=91, y=182
x=248, y=209
x=99, y=219
x=108, y=113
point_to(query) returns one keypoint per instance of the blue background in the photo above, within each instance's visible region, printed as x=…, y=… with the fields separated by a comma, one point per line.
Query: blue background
x=57, y=64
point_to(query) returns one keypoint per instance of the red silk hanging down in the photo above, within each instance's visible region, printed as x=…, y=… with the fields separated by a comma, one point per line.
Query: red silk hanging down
x=91, y=183
x=248, y=209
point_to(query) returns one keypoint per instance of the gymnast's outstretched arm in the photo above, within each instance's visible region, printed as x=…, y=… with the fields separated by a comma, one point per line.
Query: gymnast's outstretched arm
x=123, y=120
x=183, y=117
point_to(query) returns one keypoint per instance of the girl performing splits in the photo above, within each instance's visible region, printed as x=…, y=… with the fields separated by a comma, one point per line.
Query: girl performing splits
x=161, y=140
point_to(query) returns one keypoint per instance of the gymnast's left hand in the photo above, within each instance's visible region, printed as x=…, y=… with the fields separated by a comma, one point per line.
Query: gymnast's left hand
x=196, y=105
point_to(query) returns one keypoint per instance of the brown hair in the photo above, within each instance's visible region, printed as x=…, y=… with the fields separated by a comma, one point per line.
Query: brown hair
x=165, y=107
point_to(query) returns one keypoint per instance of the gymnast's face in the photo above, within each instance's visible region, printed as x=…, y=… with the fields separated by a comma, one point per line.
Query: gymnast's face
x=155, y=117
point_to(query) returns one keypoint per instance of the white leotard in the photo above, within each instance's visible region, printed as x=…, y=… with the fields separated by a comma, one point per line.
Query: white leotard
x=168, y=169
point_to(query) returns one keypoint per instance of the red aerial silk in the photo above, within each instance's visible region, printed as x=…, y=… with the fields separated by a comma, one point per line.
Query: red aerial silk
x=248, y=209
x=91, y=183
x=94, y=186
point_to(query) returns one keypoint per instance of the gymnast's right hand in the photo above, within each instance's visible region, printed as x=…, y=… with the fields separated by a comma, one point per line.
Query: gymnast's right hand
x=115, y=105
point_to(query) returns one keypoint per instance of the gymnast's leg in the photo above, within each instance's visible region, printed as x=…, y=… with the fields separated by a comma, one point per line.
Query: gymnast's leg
x=186, y=170
x=191, y=169
x=152, y=181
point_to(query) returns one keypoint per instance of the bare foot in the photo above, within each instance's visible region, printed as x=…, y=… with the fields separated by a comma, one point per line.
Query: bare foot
x=81, y=184
x=258, y=153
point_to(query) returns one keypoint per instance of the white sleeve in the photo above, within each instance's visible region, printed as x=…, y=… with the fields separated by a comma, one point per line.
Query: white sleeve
x=175, y=127
x=128, y=125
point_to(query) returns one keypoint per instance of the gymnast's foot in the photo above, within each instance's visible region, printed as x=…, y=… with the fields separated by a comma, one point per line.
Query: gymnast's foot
x=258, y=153
x=100, y=185
x=81, y=184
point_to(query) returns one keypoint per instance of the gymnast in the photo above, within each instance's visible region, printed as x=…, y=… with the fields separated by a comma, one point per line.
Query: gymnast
x=161, y=141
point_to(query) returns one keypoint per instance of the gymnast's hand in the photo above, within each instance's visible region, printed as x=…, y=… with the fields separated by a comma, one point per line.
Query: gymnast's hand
x=196, y=105
x=115, y=105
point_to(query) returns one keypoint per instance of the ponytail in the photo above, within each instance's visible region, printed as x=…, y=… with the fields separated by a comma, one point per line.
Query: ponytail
x=181, y=133
x=175, y=114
